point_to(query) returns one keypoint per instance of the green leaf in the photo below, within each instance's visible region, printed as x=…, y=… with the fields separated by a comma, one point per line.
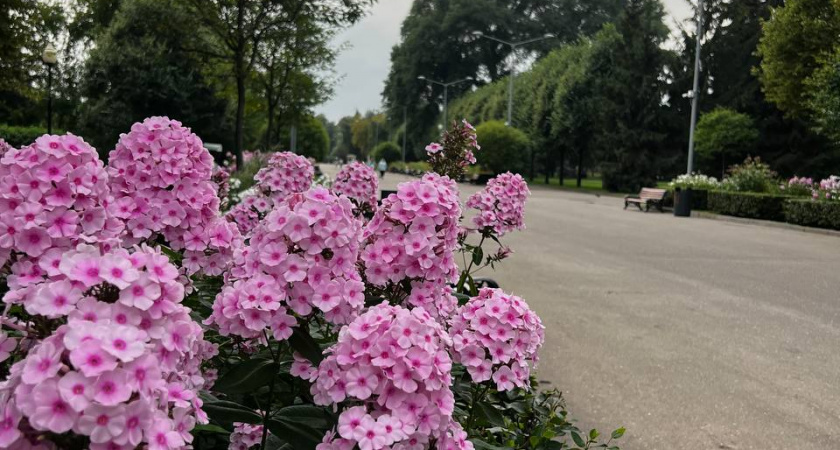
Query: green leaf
x=227, y=412
x=304, y=344
x=481, y=445
x=618, y=433
x=552, y=445
x=593, y=434
x=247, y=376
x=578, y=440
x=473, y=287
x=477, y=256
x=210, y=428
x=489, y=413
x=300, y=436
x=462, y=298
x=307, y=414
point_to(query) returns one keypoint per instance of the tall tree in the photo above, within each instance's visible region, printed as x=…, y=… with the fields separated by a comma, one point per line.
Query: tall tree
x=142, y=66
x=25, y=29
x=437, y=42
x=797, y=38
x=235, y=30
x=630, y=84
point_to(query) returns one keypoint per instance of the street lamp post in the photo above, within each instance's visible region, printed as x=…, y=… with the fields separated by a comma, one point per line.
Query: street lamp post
x=50, y=58
x=445, y=93
x=696, y=97
x=513, y=47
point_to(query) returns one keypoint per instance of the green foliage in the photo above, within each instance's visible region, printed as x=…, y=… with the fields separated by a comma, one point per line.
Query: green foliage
x=21, y=136
x=725, y=133
x=503, y=148
x=792, y=48
x=312, y=138
x=437, y=43
x=748, y=204
x=26, y=27
x=810, y=213
x=751, y=176
x=411, y=168
x=823, y=97
x=388, y=151
x=365, y=131
x=521, y=419
x=140, y=68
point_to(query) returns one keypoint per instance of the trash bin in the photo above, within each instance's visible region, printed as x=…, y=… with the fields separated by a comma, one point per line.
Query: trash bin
x=682, y=202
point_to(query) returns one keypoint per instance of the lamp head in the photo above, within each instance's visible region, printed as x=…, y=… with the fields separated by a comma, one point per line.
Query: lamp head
x=50, y=55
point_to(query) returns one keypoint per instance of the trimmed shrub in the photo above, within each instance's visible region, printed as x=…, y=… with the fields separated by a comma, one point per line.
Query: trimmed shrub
x=388, y=150
x=503, y=148
x=748, y=204
x=21, y=136
x=810, y=213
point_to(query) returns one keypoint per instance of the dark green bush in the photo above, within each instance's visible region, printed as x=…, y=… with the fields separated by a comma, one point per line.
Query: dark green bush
x=748, y=204
x=810, y=213
x=388, y=151
x=503, y=148
x=21, y=136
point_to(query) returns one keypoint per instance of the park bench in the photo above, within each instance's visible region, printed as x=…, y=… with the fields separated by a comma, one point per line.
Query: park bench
x=647, y=197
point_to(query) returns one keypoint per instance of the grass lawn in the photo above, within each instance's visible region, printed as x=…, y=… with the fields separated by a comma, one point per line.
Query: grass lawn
x=589, y=184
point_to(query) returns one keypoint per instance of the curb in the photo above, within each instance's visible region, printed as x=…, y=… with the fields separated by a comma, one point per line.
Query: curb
x=764, y=223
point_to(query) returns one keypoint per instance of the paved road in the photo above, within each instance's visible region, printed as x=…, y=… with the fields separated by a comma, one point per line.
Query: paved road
x=693, y=333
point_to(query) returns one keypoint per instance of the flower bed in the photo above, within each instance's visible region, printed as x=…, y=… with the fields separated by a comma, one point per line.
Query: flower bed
x=138, y=316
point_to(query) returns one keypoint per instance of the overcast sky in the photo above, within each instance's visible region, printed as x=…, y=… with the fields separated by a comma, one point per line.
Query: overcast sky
x=364, y=65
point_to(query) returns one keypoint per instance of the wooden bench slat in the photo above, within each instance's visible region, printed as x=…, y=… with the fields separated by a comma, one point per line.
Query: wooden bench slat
x=647, y=196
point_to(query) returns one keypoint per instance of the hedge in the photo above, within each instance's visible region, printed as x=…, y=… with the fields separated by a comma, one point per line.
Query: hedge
x=810, y=213
x=21, y=136
x=748, y=204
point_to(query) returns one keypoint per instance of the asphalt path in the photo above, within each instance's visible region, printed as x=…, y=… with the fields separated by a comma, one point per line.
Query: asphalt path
x=692, y=333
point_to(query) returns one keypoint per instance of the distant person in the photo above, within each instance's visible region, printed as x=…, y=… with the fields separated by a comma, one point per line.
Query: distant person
x=383, y=166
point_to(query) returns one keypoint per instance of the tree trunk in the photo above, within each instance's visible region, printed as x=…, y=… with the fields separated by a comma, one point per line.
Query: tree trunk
x=562, y=165
x=240, y=119
x=580, y=167
x=722, y=165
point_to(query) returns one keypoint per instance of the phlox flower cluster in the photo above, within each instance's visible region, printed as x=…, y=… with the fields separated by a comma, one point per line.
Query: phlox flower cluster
x=285, y=174
x=798, y=186
x=809, y=182
x=359, y=182
x=830, y=188
x=455, y=152
x=391, y=364
x=221, y=178
x=413, y=236
x=248, y=213
x=245, y=436
x=496, y=336
x=53, y=194
x=501, y=205
x=161, y=178
x=4, y=147
x=301, y=257
x=123, y=370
